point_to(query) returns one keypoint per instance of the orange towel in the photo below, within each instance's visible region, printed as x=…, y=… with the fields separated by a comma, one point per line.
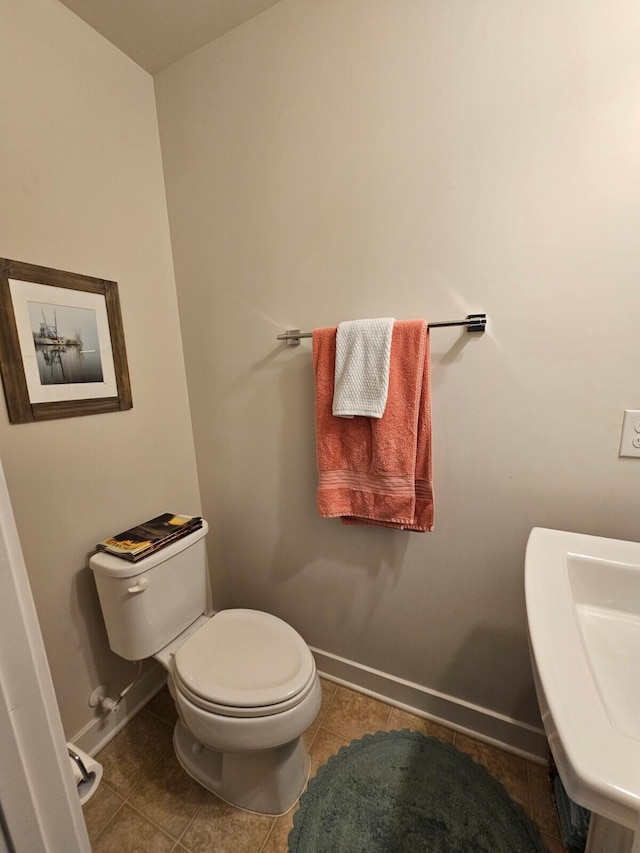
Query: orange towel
x=378, y=470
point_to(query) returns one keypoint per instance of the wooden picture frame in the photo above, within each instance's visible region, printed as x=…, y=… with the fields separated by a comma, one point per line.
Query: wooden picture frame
x=62, y=348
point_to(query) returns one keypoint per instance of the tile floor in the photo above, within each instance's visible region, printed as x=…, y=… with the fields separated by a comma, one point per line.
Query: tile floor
x=147, y=803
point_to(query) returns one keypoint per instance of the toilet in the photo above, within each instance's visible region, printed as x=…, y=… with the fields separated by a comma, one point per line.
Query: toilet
x=244, y=682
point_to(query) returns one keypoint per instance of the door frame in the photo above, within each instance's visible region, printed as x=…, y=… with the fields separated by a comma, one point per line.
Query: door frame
x=39, y=801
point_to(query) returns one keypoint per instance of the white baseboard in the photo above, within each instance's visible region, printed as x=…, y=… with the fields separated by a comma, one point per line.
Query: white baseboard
x=481, y=723
x=101, y=729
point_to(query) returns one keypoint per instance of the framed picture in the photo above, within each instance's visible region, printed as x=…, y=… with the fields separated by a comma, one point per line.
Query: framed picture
x=62, y=350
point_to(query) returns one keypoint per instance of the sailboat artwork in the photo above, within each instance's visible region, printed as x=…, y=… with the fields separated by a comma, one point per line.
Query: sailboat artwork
x=47, y=334
x=66, y=343
x=62, y=344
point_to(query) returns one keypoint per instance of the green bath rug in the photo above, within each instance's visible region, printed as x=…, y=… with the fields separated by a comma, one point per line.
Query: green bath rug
x=404, y=792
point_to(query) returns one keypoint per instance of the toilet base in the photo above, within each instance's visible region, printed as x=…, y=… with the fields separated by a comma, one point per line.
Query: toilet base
x=267, y=781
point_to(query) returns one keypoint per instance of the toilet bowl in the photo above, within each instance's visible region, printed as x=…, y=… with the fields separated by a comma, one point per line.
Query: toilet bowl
x=244, y=682
x=246, y=688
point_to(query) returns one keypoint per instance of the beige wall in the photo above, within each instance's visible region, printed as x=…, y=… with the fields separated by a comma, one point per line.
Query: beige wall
x=329, y=161
x=81, y=189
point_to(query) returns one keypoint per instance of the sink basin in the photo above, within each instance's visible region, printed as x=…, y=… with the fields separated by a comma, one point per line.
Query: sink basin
x=583, y=611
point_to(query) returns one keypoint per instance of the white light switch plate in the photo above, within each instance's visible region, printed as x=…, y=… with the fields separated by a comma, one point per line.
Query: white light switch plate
x=630, y=438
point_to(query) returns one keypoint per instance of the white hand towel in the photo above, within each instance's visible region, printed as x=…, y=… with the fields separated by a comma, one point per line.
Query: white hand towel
x=361, y=381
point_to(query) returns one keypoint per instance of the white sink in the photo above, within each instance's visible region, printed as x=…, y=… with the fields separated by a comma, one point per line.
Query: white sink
x=583, y=610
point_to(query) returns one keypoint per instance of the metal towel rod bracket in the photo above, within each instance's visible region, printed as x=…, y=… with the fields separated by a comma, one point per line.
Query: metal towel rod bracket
x=473, y=322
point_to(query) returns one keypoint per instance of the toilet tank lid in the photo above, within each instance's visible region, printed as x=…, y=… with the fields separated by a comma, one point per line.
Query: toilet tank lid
x=103, y=563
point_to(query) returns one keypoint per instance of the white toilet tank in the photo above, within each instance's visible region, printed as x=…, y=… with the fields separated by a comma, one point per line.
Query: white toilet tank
x=147, y=604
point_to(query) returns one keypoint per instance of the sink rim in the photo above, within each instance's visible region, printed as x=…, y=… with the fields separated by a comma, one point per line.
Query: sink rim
x=599, y=766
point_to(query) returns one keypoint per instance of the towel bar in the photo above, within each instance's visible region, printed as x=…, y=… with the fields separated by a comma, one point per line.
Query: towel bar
x=473, y=322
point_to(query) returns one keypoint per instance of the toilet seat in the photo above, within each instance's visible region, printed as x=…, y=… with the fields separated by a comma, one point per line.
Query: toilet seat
x=239, y=711
x=244, y=663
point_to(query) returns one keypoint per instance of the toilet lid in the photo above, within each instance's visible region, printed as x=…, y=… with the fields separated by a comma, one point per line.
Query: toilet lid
x=244, y=658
